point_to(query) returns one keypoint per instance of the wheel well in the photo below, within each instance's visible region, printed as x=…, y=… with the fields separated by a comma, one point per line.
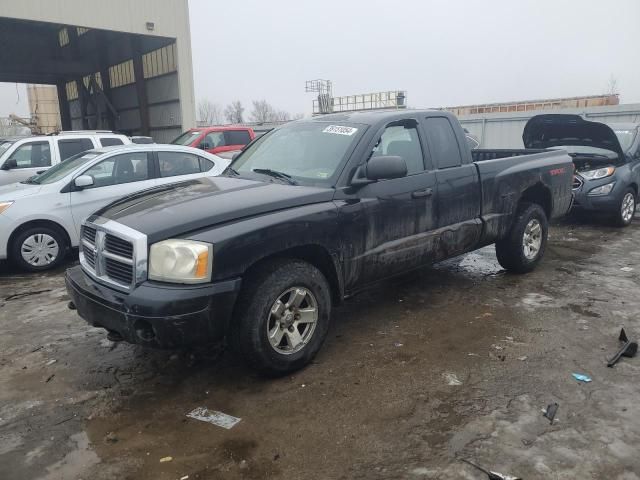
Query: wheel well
x=40, y=223
x=540, y=195
x=317, y=256
x=635, y=188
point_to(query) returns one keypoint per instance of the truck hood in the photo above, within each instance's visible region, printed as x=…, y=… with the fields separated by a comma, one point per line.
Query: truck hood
x=552, y=130
x=14, y=191
x=179, y=208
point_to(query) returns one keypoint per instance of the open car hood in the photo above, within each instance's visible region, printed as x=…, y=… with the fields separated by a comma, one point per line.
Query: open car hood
x=553, y=130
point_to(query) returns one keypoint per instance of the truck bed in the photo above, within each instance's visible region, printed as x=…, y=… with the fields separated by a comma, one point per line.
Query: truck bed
x=506, y=176
x=482, y=154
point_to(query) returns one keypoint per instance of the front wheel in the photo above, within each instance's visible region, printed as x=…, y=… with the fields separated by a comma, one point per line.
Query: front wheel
x=627, y=208
x=524, y=246
x=282, y=317
x=38, y=248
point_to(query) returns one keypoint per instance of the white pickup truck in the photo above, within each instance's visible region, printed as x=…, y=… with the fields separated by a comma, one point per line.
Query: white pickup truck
x=23, y=157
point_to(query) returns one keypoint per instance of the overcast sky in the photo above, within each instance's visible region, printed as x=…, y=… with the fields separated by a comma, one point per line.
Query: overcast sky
x=443, y=53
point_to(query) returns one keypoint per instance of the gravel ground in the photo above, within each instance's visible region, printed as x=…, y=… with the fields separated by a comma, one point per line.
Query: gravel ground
x=455, y=361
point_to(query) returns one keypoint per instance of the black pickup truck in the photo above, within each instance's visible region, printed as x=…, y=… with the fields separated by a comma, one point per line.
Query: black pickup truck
x=307, y=215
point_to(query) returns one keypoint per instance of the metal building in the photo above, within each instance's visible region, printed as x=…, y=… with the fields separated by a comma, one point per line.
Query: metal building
x=121, y=65
x=504, y=130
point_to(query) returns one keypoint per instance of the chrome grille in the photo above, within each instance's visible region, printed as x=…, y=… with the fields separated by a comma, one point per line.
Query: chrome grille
x=90, y=257
x=113, y=253
x=120, y=272
x=118, y=246
x=89, y=233
x=577, y=182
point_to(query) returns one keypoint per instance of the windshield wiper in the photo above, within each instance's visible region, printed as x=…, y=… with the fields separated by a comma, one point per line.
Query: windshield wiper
x=276, y=174
x=30, y=181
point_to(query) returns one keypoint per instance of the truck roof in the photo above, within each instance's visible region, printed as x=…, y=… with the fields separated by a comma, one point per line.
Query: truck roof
x=379, y=116
x=219, y=129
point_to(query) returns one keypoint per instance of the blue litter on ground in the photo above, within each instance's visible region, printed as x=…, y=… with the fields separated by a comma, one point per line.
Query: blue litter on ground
x=581, y=377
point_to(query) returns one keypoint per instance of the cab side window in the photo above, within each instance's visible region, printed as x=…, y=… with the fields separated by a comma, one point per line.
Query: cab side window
x=237, y=137
x=125, y=168
x=32, y=155
x=178, y=163
x=442, y=143
x=109, y=141
x=206, y=165
x=72, y=146
x=213, y=140
x=402, y=141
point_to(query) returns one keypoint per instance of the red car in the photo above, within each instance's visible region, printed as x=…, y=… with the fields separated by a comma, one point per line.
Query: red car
x=216, y=140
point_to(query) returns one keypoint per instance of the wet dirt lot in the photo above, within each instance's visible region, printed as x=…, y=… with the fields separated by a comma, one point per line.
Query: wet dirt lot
x=453, y=361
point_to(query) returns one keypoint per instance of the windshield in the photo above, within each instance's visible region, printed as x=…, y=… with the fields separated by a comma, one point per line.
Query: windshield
x=187, y=138
x=4, y=146
x=625, y=137
x=308, y=152
x=63, y=169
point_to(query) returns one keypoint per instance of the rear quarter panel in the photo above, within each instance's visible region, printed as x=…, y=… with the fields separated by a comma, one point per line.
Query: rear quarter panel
x=504, y=181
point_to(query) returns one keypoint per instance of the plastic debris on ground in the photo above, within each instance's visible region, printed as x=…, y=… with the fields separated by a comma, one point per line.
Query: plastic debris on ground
x=212, y=416
x=451, y=379
x=166, y=459
x=491, y=475
x=581, y=377
x=628, y=349
x=550, y=412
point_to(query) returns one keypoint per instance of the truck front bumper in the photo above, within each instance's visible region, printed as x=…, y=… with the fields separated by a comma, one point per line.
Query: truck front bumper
x=156, y=315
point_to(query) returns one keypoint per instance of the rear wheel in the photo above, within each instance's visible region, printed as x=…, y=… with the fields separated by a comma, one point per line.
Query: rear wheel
x=524, y=246
x=38, y=248
x=627, y=208
x=283, y=316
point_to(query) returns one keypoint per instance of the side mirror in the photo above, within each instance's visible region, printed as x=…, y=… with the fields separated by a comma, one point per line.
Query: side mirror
x=83, y=181
x=9, y=164
x=204, y=146
x=386, y=167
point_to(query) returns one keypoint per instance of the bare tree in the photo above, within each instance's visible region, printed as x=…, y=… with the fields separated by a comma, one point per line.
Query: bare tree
x=264, y=112
x=612, y=85
x=209, y=113
x=234, y=112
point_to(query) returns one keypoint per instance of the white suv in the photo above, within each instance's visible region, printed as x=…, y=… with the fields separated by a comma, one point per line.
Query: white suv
x=21, y=158
x=40, y=218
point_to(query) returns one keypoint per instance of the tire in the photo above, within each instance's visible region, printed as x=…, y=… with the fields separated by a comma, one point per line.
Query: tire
x=255, y=320
x=512, y=252
x=626, y=208
x=52, y=241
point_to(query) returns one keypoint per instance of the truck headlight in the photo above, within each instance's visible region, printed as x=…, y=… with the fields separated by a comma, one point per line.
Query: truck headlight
x=181, y=261
x=598, y=173
x=602, y=189
x=5, y=205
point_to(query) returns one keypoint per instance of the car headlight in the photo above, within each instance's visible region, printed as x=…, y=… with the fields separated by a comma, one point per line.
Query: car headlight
x=181, y=261
x=598, y=173
x=602, y=189
x=5, y=205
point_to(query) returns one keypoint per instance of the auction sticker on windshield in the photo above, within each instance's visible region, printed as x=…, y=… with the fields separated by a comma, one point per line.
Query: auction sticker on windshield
x=338, y=130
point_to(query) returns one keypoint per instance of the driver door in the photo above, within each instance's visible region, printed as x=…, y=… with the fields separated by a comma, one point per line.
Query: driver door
x=397, y=213
x=31, y=158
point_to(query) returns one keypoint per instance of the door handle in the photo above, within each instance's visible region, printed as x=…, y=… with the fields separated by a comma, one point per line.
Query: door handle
x=427, y=192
